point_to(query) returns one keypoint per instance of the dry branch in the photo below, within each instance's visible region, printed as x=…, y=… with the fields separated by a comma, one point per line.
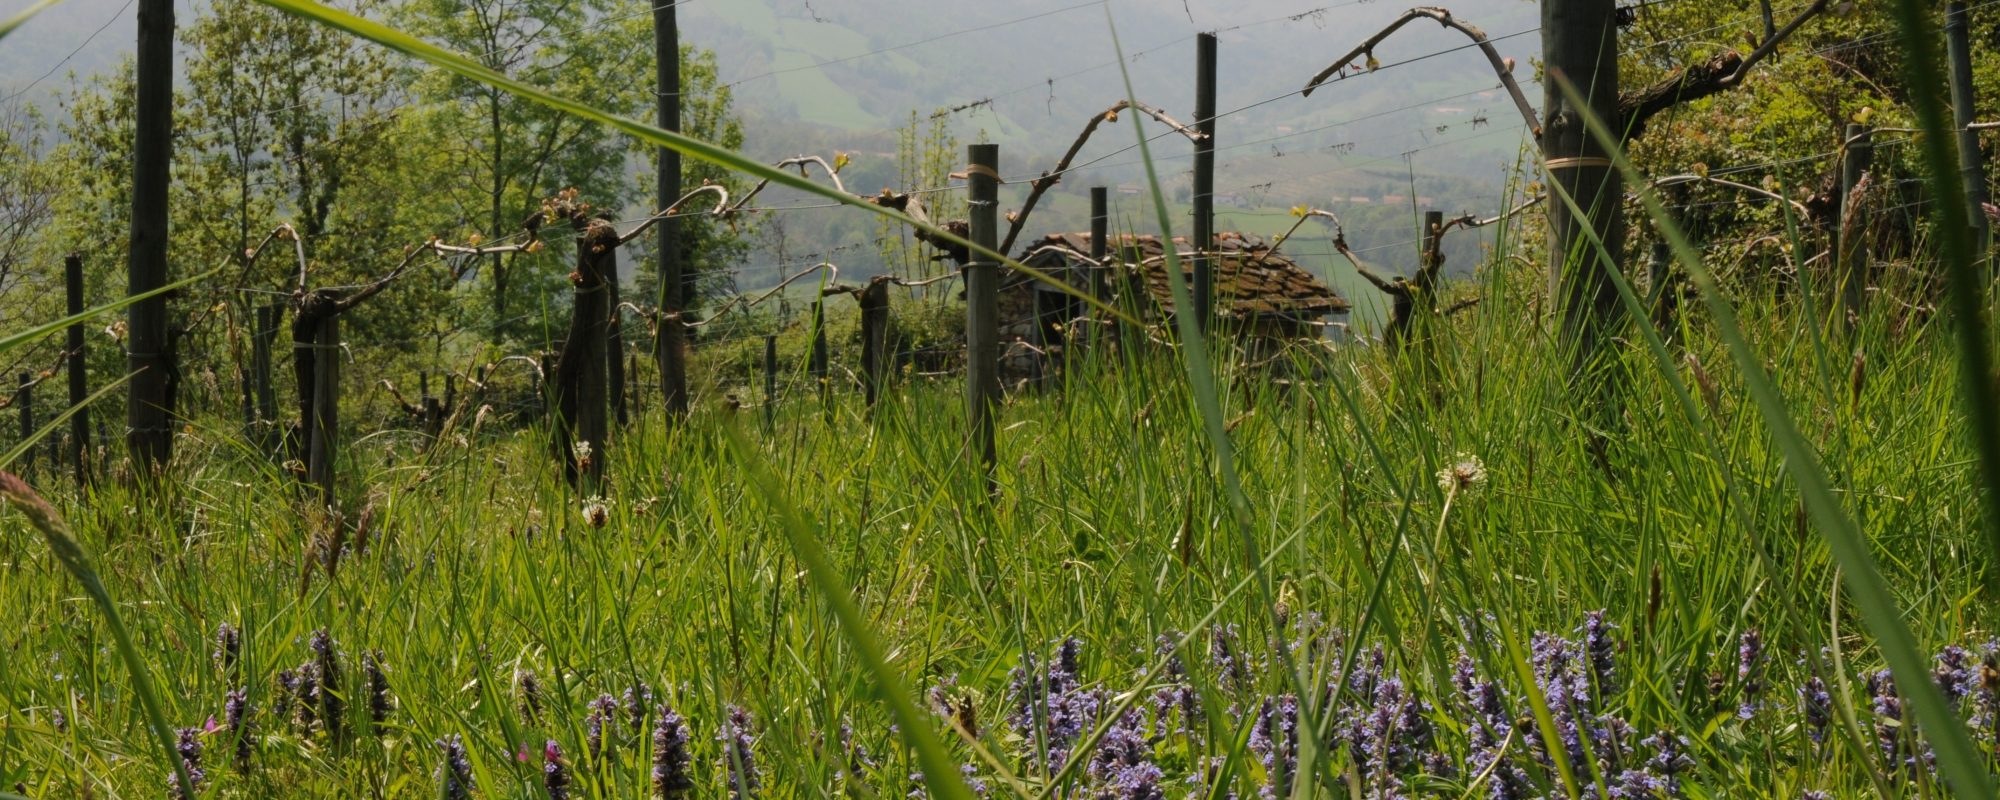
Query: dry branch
x=1718, y=74
x=1048, y=179
x=1501, y=66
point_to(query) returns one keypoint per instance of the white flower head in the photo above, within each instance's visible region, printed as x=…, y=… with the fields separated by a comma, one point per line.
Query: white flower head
x=596, y=512
x=581, y=450
x=1465, y=475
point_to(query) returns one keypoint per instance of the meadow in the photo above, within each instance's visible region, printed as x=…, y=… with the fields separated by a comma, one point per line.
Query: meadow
x=1447, y=582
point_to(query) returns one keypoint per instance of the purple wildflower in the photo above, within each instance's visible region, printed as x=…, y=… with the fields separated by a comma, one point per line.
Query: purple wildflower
x=1901, y=750
x=1749, y=672
x=228, y=646
x=328, y=669
x=1669, y=760
x=1559, y=673
x=1817, y=705
x=601, y=711
x=288, y=691
x=739, y=757
x=377, y=685
x=1275, y=740
x=1602, y=652
x=306, y=691
x=1225, y=653
x=638, y=698
x=189, y=749
x=455, y=774
x=528, y=695
x=555, y=775
x=1955, y=674
x=670, y=756
x=236, y=716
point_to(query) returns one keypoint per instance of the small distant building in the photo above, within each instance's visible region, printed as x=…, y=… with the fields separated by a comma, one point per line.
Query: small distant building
x=1360, y=198
x=1264, y=297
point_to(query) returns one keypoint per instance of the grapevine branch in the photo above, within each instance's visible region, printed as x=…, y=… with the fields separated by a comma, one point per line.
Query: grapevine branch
x=1504, y=67
x=1720, y=73
x=1048, y=179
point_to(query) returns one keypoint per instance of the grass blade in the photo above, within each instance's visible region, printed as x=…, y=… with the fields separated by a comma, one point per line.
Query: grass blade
x=15, y=21
x=13, y=340
x=31, y=440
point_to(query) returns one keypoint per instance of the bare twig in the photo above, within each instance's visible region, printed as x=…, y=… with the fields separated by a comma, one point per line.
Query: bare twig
x=721, y=207
x=795, y=161
x=833, y=273
x=1050, y=178
x=1673, y=180
x=1720, y=73
x=1501, y=66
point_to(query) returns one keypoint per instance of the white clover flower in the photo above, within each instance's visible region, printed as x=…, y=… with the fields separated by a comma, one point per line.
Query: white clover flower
x=1465, y=475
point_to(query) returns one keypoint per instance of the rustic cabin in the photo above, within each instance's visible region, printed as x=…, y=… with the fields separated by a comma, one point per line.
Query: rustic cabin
x=1263, y=297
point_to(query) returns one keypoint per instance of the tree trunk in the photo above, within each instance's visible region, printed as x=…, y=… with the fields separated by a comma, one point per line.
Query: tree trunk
x=148, y=423
x=1580, y=43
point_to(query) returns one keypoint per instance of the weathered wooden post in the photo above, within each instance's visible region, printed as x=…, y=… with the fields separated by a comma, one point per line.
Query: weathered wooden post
x=818, y=365
x=268, y=319
x=1100, y=282
x=79, y=379
x=148, y=408
x=580, y=422
x=323, y=445
x=1204, y=179
x=1580, y=45
x=1971, y=163
x=669, y=349
x=770, y=380
x=24, y=397
x=874, y=337
x=1851, y=237
x=614, y=346
x=982, y=307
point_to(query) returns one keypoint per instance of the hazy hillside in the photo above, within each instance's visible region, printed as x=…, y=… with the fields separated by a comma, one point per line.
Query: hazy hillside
x=843, y=74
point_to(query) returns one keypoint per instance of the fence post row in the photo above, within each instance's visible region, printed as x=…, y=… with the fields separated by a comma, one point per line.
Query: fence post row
x=874, y=337
x=982, y=306
x=1971, y=168
x=1204, y=179
x=268, y=319
x=79, y=384
x=1851, y=238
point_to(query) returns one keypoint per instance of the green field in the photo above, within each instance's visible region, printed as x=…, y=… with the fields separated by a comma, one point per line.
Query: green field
x=487, y=605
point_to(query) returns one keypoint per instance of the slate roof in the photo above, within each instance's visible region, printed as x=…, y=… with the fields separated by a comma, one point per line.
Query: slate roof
x=1249, y=279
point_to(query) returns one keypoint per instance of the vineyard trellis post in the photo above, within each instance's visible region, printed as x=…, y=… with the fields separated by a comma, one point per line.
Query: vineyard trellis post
x=614, y=347
x=1851, y=237
x=1100, y=229
x=261, y=340
x=322, y=445
x=982, y=307
x=24, y=397
x=1580, y=45
x=770, y=380
x=667, y=78
x=874, y=302
x=579, y=410
x=79, y=377
x=1971, y=165
x=816, y=364
x=148, y=357
x=1204, y=178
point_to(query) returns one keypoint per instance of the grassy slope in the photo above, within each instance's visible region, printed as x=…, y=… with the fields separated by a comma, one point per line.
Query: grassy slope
x=479, y=564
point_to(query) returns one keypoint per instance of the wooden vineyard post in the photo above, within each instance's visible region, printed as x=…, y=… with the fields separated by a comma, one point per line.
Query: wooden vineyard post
x=24, y=397
x=982, y=308
x=1100, y=283
x=614, y=345
x=818, y=363
x=1858, y=156
x=667, y=179
x=1204, y=180
x=770, y=380
x=268, y=319
x=323, y=446
x=1971, y=168
x=578, y=385
x=874, y=338
x=149, y=435
x=1580, y=43
x=79, y=378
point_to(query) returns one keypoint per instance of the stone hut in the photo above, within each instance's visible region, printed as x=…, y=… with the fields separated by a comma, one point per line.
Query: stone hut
x=1261, y=297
